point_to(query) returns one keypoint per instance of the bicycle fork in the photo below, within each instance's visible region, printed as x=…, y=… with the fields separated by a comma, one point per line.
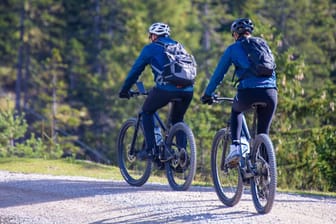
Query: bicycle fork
x=132, y=151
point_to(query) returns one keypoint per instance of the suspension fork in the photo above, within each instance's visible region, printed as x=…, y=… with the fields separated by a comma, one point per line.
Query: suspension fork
x=135, y=134
x=225, y=146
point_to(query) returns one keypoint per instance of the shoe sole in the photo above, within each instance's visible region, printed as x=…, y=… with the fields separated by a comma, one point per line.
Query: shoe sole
x=233, y=162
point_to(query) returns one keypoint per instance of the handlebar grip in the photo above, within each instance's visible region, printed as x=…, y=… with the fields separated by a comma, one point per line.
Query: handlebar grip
x=136, y=93
x=140, y=90
x=221, y=99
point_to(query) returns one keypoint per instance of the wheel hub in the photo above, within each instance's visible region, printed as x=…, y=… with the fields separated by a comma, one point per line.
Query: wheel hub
x=130, y=157
x=180, y=160
x=183, y=158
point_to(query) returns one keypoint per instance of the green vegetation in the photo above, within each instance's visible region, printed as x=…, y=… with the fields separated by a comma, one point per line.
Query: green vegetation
x=70, y=167
x=66, y=167
x=63, y=62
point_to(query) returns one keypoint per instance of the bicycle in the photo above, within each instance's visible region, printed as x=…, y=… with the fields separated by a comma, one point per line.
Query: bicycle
x=256, y=168
x=176, y=150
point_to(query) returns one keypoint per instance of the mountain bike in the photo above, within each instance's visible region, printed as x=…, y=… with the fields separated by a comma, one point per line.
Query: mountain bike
x=176, y=150
x=257, y=167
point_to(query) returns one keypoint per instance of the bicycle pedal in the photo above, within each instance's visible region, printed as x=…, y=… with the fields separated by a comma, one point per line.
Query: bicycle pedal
x=232, y=164
x=166, y=159
x=247, y=175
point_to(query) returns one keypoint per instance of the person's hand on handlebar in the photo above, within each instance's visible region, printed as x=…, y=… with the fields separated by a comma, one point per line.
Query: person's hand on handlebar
x=124, y=94
x=128, y=94
x=206, y=99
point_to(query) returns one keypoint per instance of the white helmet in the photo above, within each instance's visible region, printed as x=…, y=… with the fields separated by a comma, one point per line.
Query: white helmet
x=159, y=29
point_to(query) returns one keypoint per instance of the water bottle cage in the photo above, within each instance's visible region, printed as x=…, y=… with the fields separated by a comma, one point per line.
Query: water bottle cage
x=158, y=136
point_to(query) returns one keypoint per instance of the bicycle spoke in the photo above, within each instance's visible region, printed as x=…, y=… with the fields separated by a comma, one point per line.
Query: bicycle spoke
x=133, y=170
x=227, y=181
x=182, y=167
x=263, y=186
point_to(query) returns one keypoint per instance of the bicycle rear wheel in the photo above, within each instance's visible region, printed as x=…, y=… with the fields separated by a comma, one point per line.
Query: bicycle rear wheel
x=227, y=181
x=181, y=168
x=135, y=172
x=263, y=185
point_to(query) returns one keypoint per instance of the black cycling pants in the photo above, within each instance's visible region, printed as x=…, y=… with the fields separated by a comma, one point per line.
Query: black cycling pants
x=158, y=98
x=244, y=100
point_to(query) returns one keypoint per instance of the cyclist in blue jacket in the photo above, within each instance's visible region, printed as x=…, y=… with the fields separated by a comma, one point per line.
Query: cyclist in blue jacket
x=162, y=93
x=250, y=89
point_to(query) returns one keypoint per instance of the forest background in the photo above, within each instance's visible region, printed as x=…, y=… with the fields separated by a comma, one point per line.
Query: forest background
x=63, y=63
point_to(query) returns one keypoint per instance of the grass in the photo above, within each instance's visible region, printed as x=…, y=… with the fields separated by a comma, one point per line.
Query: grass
x=67, y=167
x=71, y=167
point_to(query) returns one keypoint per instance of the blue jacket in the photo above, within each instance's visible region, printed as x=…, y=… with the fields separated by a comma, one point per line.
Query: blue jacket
x=236, y=55
x=151, y=54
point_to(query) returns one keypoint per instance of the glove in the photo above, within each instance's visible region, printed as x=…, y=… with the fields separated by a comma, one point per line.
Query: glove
x=124, y=94
x=207, y=99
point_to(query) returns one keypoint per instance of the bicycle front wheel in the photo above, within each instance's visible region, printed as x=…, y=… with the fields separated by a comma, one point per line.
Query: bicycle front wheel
x=181, y=168
x=135, y=172
x=227, y=181
x=263, y=185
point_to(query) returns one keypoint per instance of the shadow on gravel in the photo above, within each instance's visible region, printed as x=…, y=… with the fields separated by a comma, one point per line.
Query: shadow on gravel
x=158, y=218
x=23, y=192
x=184, y=208
x=179, y=212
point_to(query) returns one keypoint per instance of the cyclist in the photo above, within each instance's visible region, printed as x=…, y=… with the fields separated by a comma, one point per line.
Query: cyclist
x=162, y=93
x=250, y=89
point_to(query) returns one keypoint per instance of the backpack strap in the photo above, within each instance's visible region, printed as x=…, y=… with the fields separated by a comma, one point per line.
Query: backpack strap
x=247, y=70
x=238, y=80
x=234, y=75
x=164, y=44
x=159, y=78
x=160, y=43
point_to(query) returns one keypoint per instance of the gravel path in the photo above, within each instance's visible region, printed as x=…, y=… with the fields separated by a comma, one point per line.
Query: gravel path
x=39, y=199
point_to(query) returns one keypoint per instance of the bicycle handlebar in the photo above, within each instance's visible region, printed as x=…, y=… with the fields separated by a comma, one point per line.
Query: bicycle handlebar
x=217, y=99
x=137, y=93
x=140, y=90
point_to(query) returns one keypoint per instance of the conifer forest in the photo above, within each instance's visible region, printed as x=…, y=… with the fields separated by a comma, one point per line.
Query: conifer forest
x=63, y=63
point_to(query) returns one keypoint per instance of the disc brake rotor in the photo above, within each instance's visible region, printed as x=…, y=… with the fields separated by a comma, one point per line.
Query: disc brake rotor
x=130, y=157
x=266, y=172
x=183, y=158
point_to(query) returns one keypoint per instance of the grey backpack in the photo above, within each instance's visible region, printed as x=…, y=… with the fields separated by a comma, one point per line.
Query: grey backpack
x=181, y=69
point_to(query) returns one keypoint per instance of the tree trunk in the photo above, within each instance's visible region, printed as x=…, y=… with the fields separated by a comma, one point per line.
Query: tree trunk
x=20, y=61
x=97, y=19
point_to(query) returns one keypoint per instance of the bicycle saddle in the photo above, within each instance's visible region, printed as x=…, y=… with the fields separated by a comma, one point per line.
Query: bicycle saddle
x=259, y=104
x=176, y=100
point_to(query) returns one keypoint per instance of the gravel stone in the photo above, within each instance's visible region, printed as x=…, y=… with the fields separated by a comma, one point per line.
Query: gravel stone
x=46, y=199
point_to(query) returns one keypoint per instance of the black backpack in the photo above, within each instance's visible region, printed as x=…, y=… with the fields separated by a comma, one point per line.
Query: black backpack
x=259, y=55
x=181, y=68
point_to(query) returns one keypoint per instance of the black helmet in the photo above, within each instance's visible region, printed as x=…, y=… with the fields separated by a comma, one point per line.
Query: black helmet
x=242, y=25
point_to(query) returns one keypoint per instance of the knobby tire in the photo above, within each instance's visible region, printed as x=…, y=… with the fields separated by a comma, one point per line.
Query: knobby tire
x=228, y=182
x=263, y=185
x=181, y=170
x=134, y=171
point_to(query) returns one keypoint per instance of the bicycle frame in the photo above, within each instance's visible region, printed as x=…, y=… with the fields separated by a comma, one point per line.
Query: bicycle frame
x=179, y=161
x=160, y=122
x=156, y=119
x=245, y=129
x=256, y=168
